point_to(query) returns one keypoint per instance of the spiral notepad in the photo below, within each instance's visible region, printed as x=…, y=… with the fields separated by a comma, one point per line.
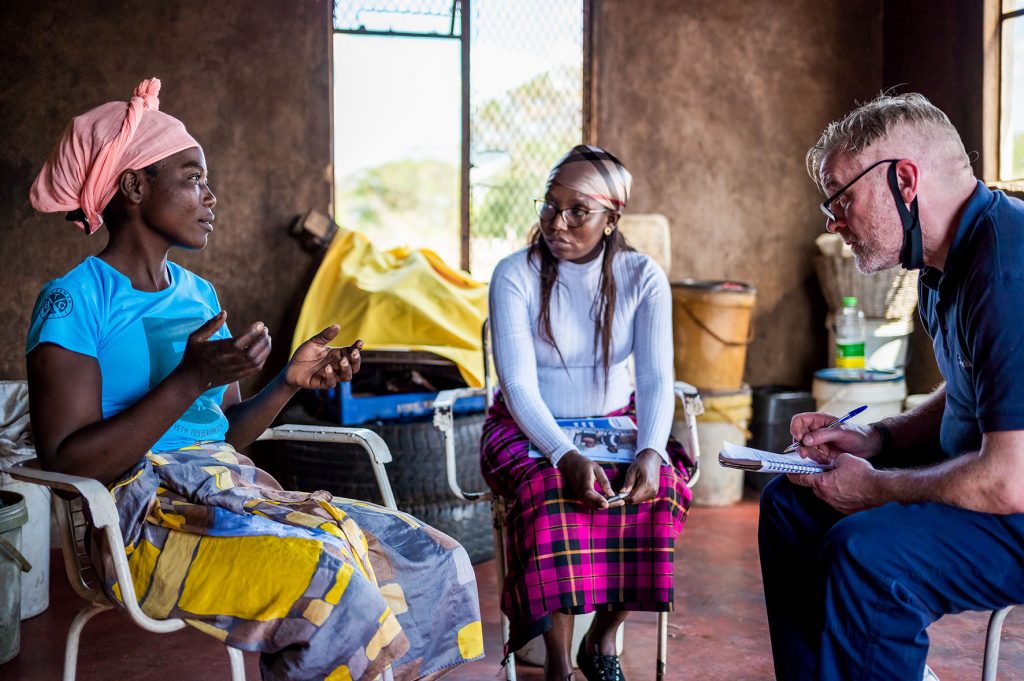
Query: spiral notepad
x=735, y=456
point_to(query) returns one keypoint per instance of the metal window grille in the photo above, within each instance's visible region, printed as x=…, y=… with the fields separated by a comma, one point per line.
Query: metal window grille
x=414, y=18
x=526, y=111
x=524, y=101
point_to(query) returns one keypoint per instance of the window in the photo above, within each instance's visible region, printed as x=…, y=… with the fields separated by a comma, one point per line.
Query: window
x=397, y=125
x=426, y=157
x=527, y=94
x=1011, y=99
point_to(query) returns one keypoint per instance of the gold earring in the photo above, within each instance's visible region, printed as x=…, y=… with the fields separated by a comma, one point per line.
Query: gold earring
x=607, y=231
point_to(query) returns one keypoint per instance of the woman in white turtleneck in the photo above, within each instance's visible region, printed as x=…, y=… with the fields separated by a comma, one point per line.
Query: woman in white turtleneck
x=566, y=314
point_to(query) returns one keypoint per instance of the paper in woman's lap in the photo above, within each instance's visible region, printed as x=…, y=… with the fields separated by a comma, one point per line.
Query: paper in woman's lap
x=608, y=439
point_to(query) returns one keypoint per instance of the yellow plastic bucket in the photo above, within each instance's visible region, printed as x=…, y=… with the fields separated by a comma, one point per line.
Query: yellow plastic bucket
x=733, y=408
x=711, y=322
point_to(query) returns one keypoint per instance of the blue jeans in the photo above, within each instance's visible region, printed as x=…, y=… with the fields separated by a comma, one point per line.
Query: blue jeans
x=851, y=597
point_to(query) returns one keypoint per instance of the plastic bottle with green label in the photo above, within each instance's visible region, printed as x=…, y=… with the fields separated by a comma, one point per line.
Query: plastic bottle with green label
x=850, y=335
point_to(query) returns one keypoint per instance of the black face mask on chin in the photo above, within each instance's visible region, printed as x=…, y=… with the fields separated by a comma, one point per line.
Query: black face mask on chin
x=912, y=252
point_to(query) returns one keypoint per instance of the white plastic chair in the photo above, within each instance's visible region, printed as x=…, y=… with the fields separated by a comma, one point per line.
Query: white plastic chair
x=87, y=506
x=444, y=406
x=995, y=631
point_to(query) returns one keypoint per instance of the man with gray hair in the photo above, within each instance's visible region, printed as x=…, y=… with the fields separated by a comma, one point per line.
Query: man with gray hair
x=922, y=513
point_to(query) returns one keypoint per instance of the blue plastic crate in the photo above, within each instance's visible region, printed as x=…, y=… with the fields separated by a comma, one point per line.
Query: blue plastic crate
x=353, y=411
x=373, y=403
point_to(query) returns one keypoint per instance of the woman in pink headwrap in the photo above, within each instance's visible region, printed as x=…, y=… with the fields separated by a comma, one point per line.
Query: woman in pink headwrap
x=134, y=381
x=566, y=314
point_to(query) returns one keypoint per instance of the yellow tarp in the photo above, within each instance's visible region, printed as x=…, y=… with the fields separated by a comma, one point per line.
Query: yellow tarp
x=403, y=298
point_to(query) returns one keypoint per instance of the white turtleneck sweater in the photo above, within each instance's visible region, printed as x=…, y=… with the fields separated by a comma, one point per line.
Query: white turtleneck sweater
x=538, y=388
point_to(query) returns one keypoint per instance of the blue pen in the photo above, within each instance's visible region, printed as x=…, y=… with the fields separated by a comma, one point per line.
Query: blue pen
x=842, y=419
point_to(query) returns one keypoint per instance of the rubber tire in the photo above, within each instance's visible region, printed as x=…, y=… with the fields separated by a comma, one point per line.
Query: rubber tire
x=417, y=449
x=417, y=470
x=417, y=474
x=468, y=524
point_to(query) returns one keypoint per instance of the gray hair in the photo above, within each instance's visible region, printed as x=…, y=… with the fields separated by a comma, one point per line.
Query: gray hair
x=874, y=120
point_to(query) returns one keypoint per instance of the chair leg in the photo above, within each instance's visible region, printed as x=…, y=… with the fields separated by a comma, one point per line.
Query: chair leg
x=662, y=645
x=237, y=664
x=498, y=518
x=995, y=631
x=75, y=635
x=510, y=667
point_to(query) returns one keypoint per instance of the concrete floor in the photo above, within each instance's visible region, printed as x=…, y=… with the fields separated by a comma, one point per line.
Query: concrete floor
x=718, y=633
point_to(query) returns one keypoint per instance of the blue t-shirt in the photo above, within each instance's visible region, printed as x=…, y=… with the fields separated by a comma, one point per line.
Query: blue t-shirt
x=974, y=313
x=137, y=337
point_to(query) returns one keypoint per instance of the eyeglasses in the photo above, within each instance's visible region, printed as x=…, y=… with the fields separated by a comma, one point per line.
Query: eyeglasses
x=573, y=217
x=825, y=206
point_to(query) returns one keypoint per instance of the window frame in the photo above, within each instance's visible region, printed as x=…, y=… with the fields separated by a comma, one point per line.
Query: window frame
x=997, y=170
x=464, y=10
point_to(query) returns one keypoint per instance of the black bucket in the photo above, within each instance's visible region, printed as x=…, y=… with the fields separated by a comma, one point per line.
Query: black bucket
x=774, y=406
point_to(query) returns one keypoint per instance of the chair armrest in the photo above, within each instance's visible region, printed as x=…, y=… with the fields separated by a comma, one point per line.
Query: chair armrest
x=364, y=437
x=103, y=516
x=689, y=396
x=371, y=442
x=444, y=405
x=101, y=504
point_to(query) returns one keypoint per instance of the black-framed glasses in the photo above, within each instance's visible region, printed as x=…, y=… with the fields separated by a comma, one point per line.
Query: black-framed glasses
x=826, y=204
x=573, y=217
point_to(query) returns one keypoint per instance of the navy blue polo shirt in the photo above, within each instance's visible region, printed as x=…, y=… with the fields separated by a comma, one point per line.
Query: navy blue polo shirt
x=974, y=313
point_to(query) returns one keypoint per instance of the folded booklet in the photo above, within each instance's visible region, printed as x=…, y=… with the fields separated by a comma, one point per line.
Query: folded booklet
x=734, y=456
x=609, y=439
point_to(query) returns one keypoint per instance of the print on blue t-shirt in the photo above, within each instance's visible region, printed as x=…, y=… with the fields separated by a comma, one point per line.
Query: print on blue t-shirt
x=58, y=303
x=166, y=340
x=137, y=337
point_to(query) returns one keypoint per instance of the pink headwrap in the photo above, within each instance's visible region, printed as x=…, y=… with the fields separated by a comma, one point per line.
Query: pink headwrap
x=596, y=173
x=99, y=145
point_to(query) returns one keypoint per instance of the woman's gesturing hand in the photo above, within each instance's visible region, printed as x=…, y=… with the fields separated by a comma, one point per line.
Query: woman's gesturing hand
x=317, y=365
x=212, y=363
x=643, y=477
x=580, y=474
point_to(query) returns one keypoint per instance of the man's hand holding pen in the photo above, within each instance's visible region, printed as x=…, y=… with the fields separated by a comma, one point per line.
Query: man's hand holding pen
x=822, y=437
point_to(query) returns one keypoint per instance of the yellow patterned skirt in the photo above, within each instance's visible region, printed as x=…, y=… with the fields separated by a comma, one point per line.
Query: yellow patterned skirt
x=323, y=587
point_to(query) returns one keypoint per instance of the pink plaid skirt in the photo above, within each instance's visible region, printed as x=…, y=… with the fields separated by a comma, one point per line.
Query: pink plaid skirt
x=566, y=556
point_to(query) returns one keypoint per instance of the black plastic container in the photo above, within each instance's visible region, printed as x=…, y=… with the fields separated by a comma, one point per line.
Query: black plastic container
x=774, y=406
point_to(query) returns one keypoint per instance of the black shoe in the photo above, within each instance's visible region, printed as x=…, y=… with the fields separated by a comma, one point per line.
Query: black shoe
x=597, y=667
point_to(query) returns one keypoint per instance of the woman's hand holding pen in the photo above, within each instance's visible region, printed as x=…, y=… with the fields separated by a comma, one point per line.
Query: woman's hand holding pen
x=824, y=445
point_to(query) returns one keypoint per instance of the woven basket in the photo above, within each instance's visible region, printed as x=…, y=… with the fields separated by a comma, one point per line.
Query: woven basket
x=889, y=294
